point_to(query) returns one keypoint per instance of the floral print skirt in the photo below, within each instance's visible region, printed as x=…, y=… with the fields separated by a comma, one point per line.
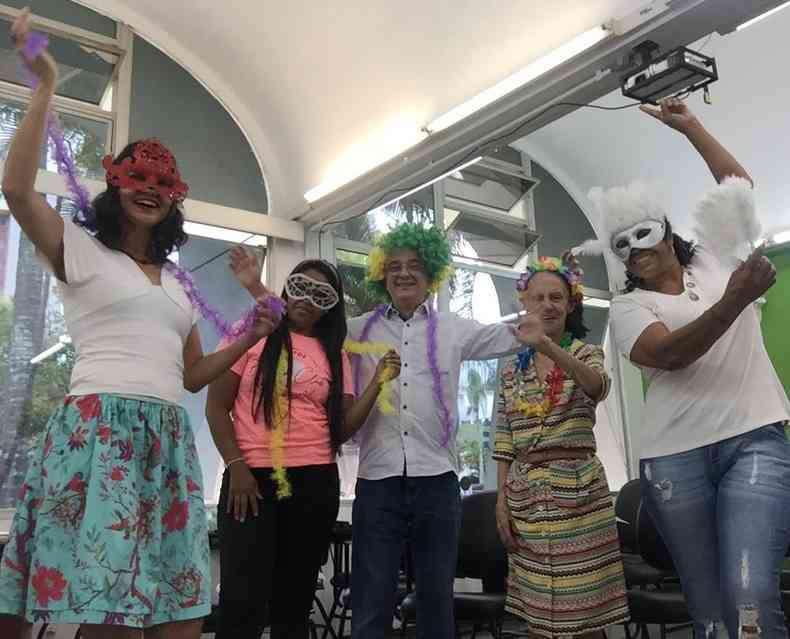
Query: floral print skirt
x=110, y=527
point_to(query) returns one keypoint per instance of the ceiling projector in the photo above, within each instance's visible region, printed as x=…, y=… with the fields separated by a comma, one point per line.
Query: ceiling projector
x=677, y=73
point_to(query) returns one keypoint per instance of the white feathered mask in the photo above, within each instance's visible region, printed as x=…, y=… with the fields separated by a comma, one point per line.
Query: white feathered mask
x=725, y=221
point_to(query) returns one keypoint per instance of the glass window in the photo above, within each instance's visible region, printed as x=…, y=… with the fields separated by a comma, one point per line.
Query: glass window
x=86, y=74
x=36, y=355
x=88, y=138
x=418, y=208
x=352, y=268
x=485, y=298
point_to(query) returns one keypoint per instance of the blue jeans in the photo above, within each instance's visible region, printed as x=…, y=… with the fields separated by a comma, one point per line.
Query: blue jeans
x=724, y=512
x=426, y=511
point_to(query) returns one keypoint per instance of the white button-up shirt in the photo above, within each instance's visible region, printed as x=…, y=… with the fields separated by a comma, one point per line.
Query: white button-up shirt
x=413, y=434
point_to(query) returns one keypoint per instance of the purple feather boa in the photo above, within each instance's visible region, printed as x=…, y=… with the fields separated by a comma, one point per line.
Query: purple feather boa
x=375, y=316
x=35, y=44
x=433, y=363
x=223, y=328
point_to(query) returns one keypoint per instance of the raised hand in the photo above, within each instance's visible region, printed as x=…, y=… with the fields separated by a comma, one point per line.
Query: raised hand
x=265, y=323
x=674, y=113
x=530, y=332
x=245, y=266
x=750, y=280
x=43, y=65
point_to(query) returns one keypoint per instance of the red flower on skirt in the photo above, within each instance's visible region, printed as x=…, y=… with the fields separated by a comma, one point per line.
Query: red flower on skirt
x=104, y=432
x=89, y=406
x=192, y=487
x=118, y=473
x=77, y=438
x=48, y=584
x=176, y=518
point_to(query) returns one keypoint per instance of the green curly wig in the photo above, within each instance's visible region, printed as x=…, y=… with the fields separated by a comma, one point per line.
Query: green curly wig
x=428, y=242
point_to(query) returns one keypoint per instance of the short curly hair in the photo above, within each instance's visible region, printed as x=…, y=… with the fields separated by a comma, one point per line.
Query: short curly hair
x=428, y=242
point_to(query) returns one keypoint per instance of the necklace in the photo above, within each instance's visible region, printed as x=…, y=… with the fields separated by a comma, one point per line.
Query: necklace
x=555, y=382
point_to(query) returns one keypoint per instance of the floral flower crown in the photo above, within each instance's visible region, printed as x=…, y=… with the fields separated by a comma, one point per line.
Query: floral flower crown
x=567, y=267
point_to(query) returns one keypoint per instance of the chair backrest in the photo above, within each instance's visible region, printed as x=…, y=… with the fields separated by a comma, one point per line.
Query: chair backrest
x=638, y=534
x=481, y=554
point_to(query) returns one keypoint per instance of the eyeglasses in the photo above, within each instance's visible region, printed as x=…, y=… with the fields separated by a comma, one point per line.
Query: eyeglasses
x=414, y=267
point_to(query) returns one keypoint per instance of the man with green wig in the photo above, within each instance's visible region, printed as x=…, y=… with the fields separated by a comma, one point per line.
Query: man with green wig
x=407, y=487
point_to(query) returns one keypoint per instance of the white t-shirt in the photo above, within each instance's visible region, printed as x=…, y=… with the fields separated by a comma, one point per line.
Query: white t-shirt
x=128, y=334
x=730, y=390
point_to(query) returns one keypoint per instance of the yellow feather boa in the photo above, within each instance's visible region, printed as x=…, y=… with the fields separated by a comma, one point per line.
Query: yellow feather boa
x=384, y=401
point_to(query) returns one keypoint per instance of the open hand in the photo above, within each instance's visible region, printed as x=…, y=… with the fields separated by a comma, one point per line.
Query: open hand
x=43, y=66
x=243, y=492
x=673, y=112
x=246, y=267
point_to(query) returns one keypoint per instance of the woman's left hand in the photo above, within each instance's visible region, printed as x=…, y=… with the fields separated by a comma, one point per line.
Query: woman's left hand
x=530, y=332
x=245, y=267
x=674, y=113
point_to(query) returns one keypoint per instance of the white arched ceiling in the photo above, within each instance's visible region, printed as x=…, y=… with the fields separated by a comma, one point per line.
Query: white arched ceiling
x=748, y=115
x=311, y=80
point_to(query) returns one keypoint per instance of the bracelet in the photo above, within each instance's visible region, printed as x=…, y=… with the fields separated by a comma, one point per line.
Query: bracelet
x=233, y=461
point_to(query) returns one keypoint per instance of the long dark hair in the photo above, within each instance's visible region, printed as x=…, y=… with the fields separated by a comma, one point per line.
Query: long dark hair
x=330, y=331
x=106, y=221
x=684, y=250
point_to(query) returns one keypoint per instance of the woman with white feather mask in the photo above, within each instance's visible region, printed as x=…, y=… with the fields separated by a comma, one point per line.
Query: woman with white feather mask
x=714, y=455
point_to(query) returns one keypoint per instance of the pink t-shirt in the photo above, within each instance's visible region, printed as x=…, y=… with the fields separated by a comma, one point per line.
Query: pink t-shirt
x=307, y=440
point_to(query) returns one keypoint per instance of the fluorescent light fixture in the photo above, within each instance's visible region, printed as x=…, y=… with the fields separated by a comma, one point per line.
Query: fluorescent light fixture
x=762, y=16
x=432, y=181
x=574, y=47
x=63, y=340
x=390, y=140
x=781, y=238
x=226, y=235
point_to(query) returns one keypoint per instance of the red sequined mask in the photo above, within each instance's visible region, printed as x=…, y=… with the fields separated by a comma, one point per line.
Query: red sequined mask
x=151, y=165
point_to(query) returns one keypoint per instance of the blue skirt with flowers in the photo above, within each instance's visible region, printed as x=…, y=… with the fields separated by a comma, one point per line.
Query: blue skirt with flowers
x=110, y=527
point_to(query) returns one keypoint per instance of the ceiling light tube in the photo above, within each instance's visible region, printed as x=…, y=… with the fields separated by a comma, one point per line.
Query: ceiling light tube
x=762, y=16
x=542, y=65
x=225, y=235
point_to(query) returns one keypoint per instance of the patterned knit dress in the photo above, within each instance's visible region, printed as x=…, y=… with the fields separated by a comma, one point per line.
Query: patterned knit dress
x=566, y=577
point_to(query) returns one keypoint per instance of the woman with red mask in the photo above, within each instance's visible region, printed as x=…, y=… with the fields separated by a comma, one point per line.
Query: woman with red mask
x=110, y=528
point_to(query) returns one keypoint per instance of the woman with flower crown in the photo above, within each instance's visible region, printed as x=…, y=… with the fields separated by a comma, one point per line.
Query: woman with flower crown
x=554, y=511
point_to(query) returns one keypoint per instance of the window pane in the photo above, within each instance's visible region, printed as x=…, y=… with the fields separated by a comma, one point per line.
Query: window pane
x=485, y=298
x=220, y=289
x=31, y=328
x=87, y=138
x=85, y=73
x=417, y=208
x=352, y=268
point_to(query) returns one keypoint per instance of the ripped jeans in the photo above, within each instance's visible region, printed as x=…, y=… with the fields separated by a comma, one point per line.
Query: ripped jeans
x=724, y=513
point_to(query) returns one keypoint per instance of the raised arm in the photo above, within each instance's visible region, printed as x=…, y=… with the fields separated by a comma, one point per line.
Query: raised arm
x=39, y=221
x=200, y=369
x=676, y=115
x=658, y=347
x=590, y=377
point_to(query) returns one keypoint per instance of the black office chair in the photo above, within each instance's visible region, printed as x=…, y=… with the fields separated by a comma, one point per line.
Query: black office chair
x=654, y=594
x=481, y=555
